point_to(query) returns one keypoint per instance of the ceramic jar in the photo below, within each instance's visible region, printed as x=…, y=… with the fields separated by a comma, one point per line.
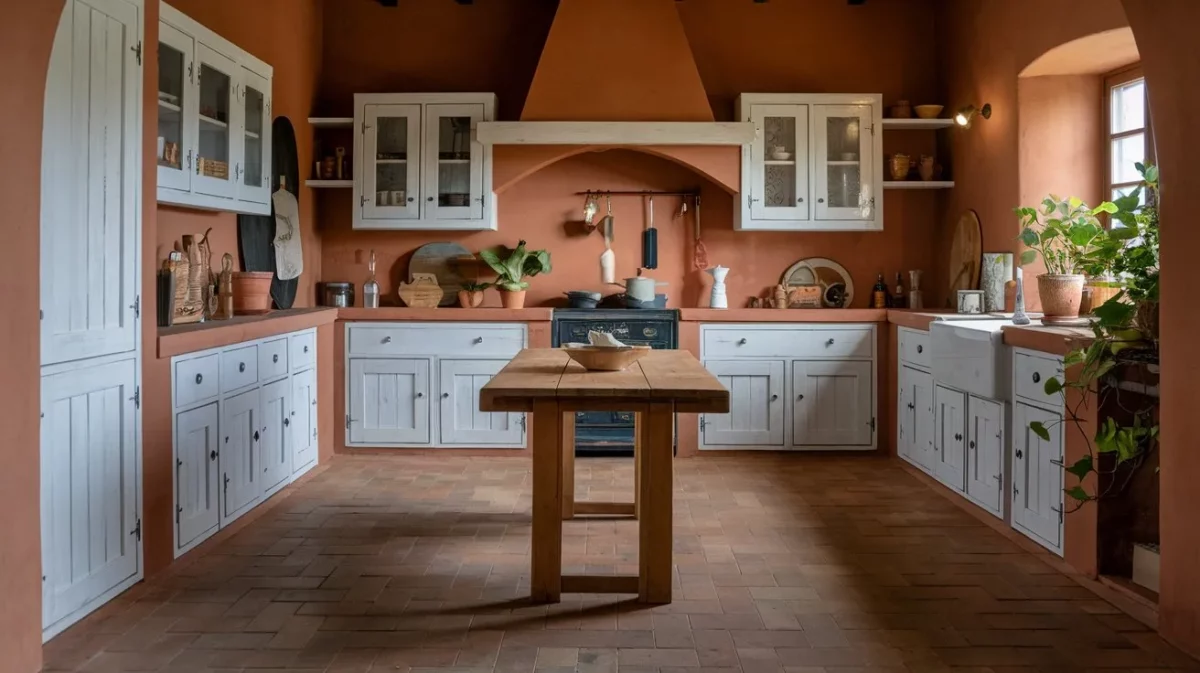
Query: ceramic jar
x=925, y=167
x=899, y=165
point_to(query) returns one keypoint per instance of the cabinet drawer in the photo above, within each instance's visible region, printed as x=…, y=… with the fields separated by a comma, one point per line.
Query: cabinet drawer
x=439, y=340
x=303, y=349
x=826, y=343
x=914, y=347
x=273, y=358
x=1030, y=373
x=196, y=379
x=239, y=368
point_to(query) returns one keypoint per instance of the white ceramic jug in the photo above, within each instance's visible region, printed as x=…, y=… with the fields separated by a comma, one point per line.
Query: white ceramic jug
x=718, y=298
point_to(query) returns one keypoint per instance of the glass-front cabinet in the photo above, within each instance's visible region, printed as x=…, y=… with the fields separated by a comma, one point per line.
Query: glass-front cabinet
x=419, y=164
x=214, y=120
x=815, y=165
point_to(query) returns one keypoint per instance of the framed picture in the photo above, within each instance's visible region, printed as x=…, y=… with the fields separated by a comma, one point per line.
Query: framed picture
x=970, y=301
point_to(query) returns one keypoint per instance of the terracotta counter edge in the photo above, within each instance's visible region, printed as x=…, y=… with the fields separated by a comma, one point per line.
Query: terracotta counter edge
x=796, y=315
x=1052, y=340
x=913, y=319
x=536, y=314
x=183, y=339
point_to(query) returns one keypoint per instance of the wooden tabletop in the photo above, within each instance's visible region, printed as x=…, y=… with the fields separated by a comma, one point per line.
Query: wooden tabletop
x=658, y=376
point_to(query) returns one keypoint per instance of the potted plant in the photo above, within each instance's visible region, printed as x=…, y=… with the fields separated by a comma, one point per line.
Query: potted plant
x=1063, y=232
x=1099, y=266
x=471, y=294
x=511, y=267
x=1138, y=264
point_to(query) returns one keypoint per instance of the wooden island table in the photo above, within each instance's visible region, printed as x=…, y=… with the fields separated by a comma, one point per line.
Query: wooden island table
x=548, y=384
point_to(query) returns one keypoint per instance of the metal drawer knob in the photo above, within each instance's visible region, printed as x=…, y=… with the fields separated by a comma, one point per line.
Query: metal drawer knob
x=774, y=397
x=1037, y=377
x=275, y=357
x=420, y=394
x=306, y=349
x=199, y=378
x=741, y=342
x=387, y=339
x=445, y=395
x=920, y=348
x=971, y=444
x=799, y=398
x=800, y=199
x=478, y=340
x=829, y=343
x=241, y=366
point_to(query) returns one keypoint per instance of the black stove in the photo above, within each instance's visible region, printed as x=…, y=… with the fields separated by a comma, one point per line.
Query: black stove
x=610, y=433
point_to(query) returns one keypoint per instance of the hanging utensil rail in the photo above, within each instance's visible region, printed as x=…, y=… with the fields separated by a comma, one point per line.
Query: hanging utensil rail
x=693, y=193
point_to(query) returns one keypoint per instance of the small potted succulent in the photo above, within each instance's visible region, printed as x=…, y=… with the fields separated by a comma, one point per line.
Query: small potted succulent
x=471, y=294
x=511, y=267
x=1064, y=232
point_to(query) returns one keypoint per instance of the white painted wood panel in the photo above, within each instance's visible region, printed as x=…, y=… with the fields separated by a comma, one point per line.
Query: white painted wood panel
x=90, y=215
x=197, y=474
x=856, y=177
x=755, y=415
x=985, y=453
x=949, y=441
x=273, y=359
x=444, y=175
x=906, y=418
x=774, y=176
x=241, y=472
x=389, y=401
x=179, y=177
x=921, y=395
x=221, y=140
x=1037, y=479
x=440, y=339
x=89, y=482
x=461, y=420
x=616, y=133
x=275, y=449
x=304, y=419
x=391, y=117
x=836, y=342
x=252, y=110
x=833, y=403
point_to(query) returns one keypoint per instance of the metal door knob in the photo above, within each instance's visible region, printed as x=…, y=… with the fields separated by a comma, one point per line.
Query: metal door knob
x=275, y=357
x=1037, y=377
x=774, y=397
x=920, y=348
x=971, y=444
x=820, y=200
x=241, y=366
x=256, y=435
x=306, y=349
x=800, y=199
x=387, y=339
x=799, y=398
x=911, y=405
x=429, y=198
x=829, y=343
x=411, y=199
x=1019, y=454
x=958, y=437
x=445, y=395
x=287, y=422
x=212, y=455
x=478, y=340
x=420, y=394
x=199, y=378
x=741, y=342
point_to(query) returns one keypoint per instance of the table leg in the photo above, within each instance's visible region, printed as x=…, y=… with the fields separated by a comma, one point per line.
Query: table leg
x=546, y=565
x=655, y=430
x=568, y=462
x=637, y=463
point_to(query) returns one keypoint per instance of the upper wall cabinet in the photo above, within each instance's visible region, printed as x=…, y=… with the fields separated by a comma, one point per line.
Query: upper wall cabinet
x=418, y=163
x=815, y=165
x=214, y=120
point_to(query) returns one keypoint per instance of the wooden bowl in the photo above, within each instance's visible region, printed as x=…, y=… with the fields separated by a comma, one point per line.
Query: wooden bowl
x=928, y=111
x=606, y=358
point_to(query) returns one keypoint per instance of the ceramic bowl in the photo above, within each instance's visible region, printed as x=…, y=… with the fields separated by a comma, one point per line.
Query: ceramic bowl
x=781, y=156
x=928, y=111
x=605, y=358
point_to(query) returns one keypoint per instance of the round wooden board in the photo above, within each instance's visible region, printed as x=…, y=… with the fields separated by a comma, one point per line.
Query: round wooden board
x=966, y=253
x=440, y=259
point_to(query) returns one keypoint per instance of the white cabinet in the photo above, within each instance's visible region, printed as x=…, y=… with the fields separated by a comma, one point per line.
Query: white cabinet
x=791, y=386
x=419, y=164
x=245, y=427
x=832, y=404
x=275, y=446
x=461, y=420
x=1038, y=476
x=985, y=453
x=948, y=439
x=916, y=417
x=816, y=164
x=197, y=474
x=405, y=379
x=214, y=120
x=304, y=419
x=755, y=415
x=91, y=530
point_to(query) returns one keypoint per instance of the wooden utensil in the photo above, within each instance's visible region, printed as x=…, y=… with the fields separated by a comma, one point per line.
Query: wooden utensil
x=966, y=253
x=423, y=292
x=441, y=259
x=608, y=258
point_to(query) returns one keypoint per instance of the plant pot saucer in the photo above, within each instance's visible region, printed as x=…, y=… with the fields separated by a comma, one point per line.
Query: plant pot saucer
x=1053, y=321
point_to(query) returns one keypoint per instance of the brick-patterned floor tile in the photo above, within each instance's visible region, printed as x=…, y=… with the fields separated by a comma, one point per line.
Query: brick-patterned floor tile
x=783, y=564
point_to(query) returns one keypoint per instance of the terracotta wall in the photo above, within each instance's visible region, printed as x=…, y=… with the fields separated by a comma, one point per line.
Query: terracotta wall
x=830, y=47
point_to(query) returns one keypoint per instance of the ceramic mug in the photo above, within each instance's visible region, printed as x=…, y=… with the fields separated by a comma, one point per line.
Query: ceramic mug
x=398, y=198
x=381, y=198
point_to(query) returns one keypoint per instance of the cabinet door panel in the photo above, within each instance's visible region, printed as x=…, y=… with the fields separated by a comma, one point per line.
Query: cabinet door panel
x=921, y=395
x=755, y=415
x=950, y=443
x=833, y=403
x=241, y=474
x=389, y=401
x=216, y=150
x=391, y=156
x=253, y=108
x=780, y=183
x=89, y=485
x=90, y=214
x=176, y=82
x=453, y=162
x=304, y=419
x=985, y=455
x=1037, y=482
x=196, y=474
x=844, y=162
x=462, y=421
x=274, y=445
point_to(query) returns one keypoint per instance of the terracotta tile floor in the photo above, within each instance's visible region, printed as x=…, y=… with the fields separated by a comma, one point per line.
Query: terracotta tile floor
x=784, y=563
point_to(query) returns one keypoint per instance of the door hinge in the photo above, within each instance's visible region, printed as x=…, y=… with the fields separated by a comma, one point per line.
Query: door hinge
x=191, y=72
x=137, y=306
x=41, y=314
x=178, y=510
x=702, y=422
x=1060, y=513
x=365, y=126
x=347, y=421
x=872, y=127
x=521, y=421
x=226, y=485
x=137, y=530
x=137, y=397
x=138, y=50
x=872, y=424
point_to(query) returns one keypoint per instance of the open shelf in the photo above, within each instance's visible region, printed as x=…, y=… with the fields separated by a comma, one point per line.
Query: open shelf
x=916, y=124
x=168, y=106
x=329, y=184
x=331, y=122
x=213, y=122
x=780, y=162
x=454, y=161
x=918, y=184
x=252, y=134
x=391, y=161
x=842, y=163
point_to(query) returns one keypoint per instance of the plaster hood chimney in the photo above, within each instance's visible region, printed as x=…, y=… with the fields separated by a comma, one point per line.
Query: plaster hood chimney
x=616, y=72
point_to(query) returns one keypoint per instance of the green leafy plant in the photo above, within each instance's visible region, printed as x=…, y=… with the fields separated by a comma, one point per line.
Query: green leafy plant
x=470, y=286
x=1063, y=231
x=512, y=265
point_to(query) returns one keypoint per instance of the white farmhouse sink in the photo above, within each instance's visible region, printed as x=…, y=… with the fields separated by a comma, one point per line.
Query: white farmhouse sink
x=970, y=355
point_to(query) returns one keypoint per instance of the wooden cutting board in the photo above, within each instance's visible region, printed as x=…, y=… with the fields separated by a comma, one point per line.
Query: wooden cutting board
x=966, y=254
x=442, y=260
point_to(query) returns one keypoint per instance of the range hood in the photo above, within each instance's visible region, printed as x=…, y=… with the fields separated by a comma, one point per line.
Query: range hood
x=616, y=72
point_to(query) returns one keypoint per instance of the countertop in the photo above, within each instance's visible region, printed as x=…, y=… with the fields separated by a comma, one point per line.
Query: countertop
x=802, y=315
x=201, y=336
x=914, y=319
x=448, y=314
x=1047, y=339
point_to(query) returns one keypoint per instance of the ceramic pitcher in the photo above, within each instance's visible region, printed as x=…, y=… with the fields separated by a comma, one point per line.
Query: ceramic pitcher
x=718, y=298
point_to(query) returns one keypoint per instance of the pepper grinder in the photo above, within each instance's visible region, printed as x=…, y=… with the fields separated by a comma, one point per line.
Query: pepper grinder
x=915, y=298
x=371, y=288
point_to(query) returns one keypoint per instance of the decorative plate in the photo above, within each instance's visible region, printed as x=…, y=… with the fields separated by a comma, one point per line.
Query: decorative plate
x=824, y=272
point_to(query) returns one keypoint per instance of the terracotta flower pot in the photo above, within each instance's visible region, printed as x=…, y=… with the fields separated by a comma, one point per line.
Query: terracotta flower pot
x=1102, y=289
x=512, y=298
x=470, y=298
x=1061, y=295
x=252, y=292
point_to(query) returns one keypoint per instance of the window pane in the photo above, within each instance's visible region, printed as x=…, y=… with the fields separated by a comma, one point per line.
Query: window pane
x=1125, y=153
x=1129, y=106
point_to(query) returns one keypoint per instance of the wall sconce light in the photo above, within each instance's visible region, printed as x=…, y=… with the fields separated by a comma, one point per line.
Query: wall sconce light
x=967, y=113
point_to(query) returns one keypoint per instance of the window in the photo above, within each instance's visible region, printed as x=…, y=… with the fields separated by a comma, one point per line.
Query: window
x=1128, y=132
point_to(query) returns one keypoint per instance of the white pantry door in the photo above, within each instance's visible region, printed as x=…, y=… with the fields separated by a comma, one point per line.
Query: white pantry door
x=90, y=180
x=197, y=473
x=833, y=405
x=755, y=415
x=389, y=401
x=304, y=419
x=241, y=474
x=90, y=527
x=275, y=446
x=462, y=421
x=950, y=421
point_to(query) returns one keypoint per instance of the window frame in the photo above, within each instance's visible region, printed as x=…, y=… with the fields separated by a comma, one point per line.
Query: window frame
x=1112, y=80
